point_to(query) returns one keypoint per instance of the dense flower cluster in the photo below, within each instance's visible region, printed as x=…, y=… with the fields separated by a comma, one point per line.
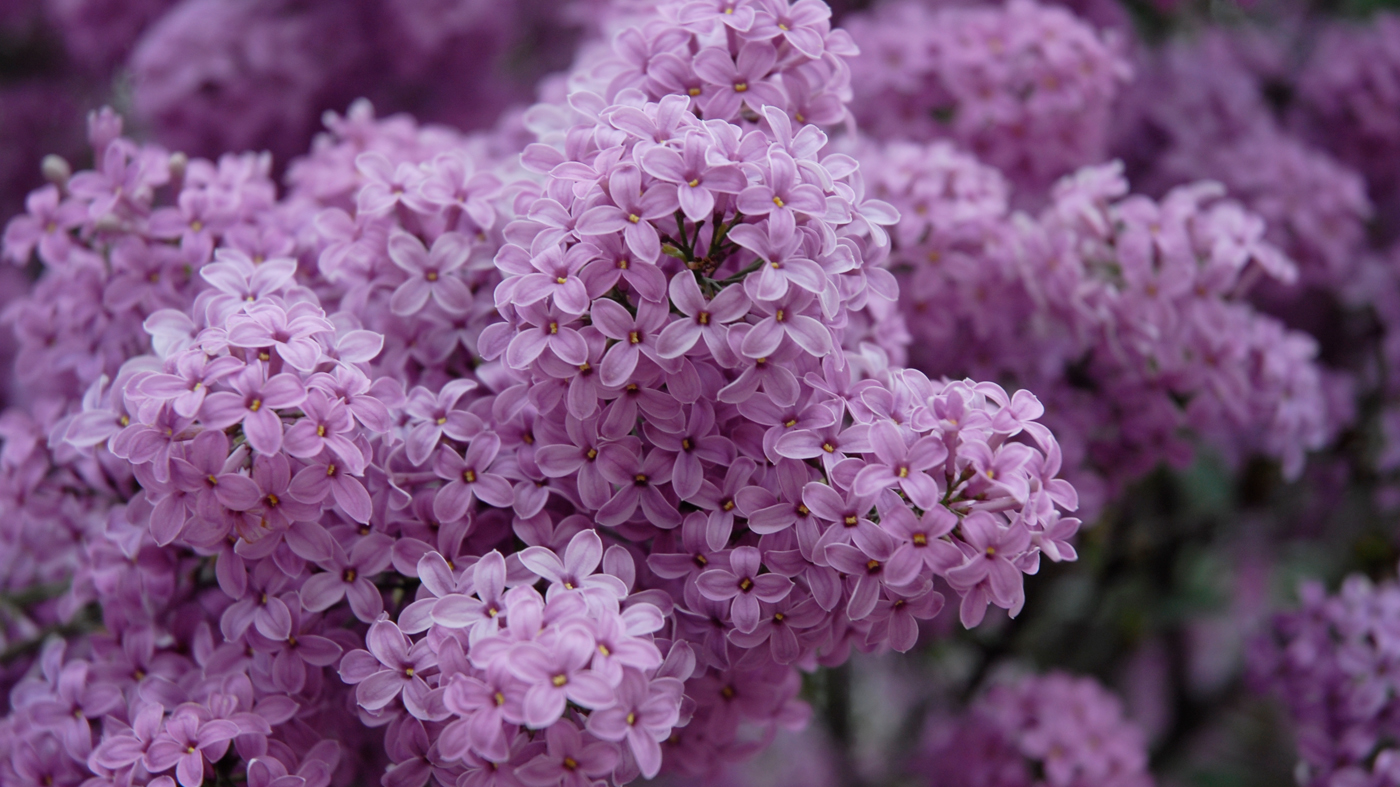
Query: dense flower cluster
x=1331, y=663
x=1199, y=110
x=1051, y=730
x=550, y=470
x=1131, y=323
x=1026, y=87
x=1348, y=95
x=564, y=453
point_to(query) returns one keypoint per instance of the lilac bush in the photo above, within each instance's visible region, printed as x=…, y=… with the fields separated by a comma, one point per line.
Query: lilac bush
x=612, y=423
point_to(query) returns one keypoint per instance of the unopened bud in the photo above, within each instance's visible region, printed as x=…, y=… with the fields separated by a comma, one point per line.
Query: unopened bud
x=178, y=163
x=56, y=170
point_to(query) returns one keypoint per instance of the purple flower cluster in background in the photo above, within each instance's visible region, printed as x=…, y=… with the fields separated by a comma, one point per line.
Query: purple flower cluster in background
x=1054, y=730
x=1330, y=662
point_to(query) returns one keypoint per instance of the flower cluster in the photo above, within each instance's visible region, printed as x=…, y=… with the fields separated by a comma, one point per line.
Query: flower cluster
x=1199, y=111
x=1330, y=663
x=1052, y=730
x=1026, y=87
x=1132, y=326
x=554, y=466
x=1347, y=101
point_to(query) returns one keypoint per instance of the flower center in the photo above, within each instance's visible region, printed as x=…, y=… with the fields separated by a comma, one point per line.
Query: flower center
x=255, y=405
x=431, y=275
x=633, y=337
x=851, y=520
x=634, y=218
x=469, y=476
x=920, y=540
x=349, y=575
x=778, y=201
x=559, y=680
x=694, y=182
x=740, y=87
x=746, y=584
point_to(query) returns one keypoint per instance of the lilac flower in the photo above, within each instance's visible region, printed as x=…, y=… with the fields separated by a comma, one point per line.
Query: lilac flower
x=579, y=458
x=75, y=700
x=738, y=81
x=260, y=606
x=46, y=226
x=782, y=196
x=637, y=481
x=575, y=571
x=188, y=386
x=552, y=274
x=689, y=447
x=430, y=272
x=385, y=184
x=253, y=405
x=785, y=318
x=696, y=181
x=922, y=538
x=901, y=465
x=706, y=319
x=330, y=477
x=570, y=761
x=324, y=427
x=742, y=583
x=453, y=181
x=289, y=332
x=988, y=568
x=482, y=615
x=612, y=261
x=277, y=505
x=185, y=744
x=241, y=284
x=350, y=575
x=555, y=332
x=210, y=472
x=779, y=624
x=436, y=414
x=737, y=14
x=469, y=478
x=636, y=336
x=868, y=561
x=803, y=25
x=557, y=675
x=485, y=706
x=781, y=262
x=631, y=213
x=644, y=715
x=389, y=668
x=284, y=661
